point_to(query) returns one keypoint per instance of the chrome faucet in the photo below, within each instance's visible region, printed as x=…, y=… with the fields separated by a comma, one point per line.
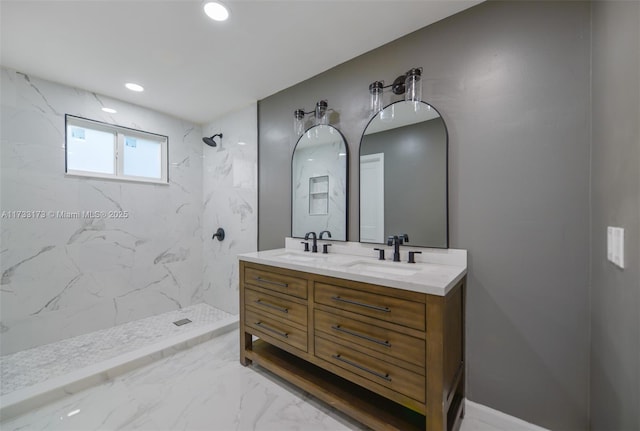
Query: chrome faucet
x=396, y=241
x=314, y=248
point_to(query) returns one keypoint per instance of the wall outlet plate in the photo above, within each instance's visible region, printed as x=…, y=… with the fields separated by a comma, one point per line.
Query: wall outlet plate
x=615, y=245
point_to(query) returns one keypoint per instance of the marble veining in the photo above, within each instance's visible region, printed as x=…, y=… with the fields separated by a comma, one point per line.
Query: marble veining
x=230, y=201
x=29, y=367
x=64, y=275
x=6, y=274
x=206, y=388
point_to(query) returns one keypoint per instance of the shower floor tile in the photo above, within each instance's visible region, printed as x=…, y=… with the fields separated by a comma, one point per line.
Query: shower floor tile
x=27, y=368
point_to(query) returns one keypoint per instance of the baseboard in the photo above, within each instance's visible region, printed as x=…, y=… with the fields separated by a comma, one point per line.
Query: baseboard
x=499, y=419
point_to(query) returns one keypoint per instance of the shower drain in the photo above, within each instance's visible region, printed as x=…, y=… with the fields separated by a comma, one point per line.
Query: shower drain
x=181, y=322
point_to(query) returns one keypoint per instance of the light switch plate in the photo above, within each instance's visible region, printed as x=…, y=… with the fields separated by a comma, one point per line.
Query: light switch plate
x=615, y=245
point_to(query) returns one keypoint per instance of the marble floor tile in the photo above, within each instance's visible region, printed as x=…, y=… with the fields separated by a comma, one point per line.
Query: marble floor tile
x=203, y=388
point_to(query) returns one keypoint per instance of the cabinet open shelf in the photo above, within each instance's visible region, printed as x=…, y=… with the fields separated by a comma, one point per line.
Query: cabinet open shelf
x=389, y=358
x=361, y=404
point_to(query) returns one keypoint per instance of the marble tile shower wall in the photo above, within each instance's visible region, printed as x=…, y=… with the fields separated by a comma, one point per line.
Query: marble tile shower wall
x=62, y=276
x=230, y=196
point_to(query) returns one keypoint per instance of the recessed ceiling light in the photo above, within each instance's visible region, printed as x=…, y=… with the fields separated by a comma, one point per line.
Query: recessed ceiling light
x=110, y=110
x=216, y=11
x=134, y=87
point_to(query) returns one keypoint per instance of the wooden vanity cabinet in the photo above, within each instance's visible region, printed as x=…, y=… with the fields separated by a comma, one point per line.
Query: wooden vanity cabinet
x=390, y=358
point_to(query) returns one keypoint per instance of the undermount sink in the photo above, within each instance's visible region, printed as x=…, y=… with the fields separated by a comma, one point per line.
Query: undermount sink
x=295, y=257
x=381, y=268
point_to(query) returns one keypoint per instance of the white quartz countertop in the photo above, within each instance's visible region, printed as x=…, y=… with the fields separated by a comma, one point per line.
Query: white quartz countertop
x=435, y=271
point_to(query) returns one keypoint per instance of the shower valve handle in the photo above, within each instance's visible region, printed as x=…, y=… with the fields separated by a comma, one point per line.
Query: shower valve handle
x=219, y=233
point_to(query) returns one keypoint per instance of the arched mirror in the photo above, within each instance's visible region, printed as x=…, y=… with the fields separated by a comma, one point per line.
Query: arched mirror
x=403, y=176
x=319, y=183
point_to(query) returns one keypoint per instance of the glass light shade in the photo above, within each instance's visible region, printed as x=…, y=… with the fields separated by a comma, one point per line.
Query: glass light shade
x=389, y=113
x=413, y=85
x=298, y=122
x=321, y=112
x=375, y=93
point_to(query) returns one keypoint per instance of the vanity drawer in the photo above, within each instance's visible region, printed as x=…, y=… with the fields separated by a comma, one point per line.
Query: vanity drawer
x=276, y=329
x=276, y=305
x=390, y=344
x=288, y=284
x=380, y=372
x=387, y=308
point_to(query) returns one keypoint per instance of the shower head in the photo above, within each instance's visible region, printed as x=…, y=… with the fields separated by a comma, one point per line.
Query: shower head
x=210, y=141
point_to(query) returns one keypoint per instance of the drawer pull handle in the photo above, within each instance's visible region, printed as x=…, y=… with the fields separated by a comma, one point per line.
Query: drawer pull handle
x=360, y=367
x=275, y=307
x=361, y=304
x=275, y=331
x=277, y=283
x=364, y=337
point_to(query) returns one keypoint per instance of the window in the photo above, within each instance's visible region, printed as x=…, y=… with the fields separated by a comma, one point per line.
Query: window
x=95, y=149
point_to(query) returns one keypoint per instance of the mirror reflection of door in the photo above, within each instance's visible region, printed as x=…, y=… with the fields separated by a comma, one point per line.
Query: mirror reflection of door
x=319, y=183
x=413, y=139
x=372, y=197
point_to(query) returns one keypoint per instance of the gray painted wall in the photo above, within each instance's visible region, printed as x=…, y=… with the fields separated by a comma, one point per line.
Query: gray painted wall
x=512, y=82
x=615, y=185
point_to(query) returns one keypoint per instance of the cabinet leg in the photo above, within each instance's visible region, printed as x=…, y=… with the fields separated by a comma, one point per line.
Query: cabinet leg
x=245, y=344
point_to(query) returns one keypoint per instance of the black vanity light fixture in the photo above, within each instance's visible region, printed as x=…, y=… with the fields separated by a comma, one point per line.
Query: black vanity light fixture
x=319, y=113
x=211, y=141
x=409, y=84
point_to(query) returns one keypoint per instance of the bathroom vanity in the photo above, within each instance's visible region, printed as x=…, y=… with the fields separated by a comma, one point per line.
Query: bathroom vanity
x=381, y=341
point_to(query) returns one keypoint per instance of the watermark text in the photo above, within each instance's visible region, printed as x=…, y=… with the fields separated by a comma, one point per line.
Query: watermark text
x=62, y=215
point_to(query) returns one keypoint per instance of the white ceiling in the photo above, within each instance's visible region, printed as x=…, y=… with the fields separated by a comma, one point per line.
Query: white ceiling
x=192, y=67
